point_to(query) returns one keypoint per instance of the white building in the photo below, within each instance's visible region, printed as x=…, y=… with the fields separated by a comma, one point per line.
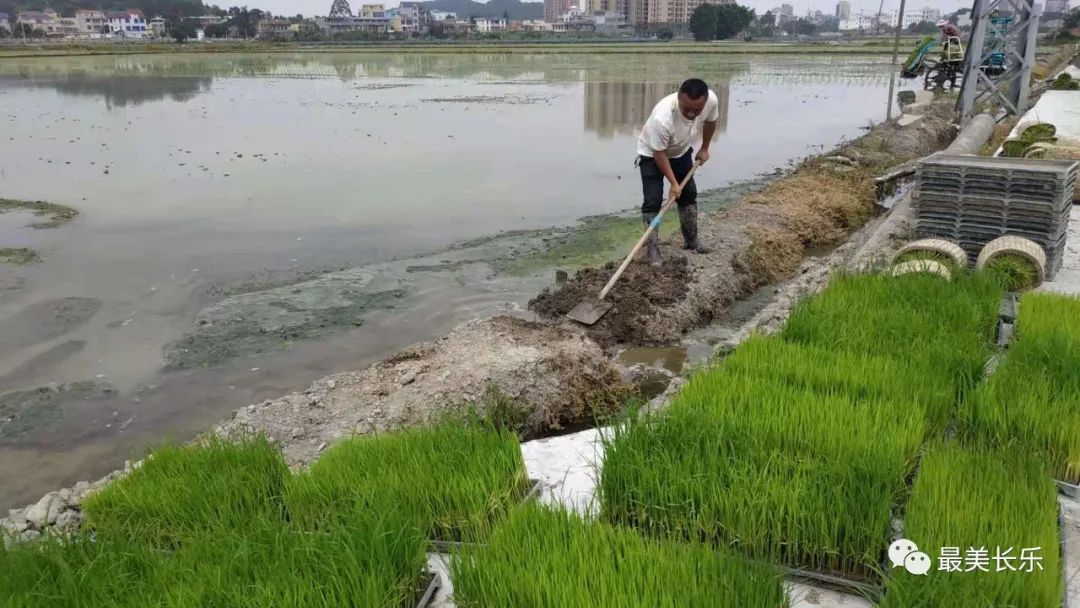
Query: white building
x=783, y=13
x=129, y=24
x=843, y=9
x=157, y=27
x=443, y=16
x=91, y=23
x=963, y=20
x=535, y=25
x=863, y=22
x=490, y=24
x=1057, y=6
x=926, y=13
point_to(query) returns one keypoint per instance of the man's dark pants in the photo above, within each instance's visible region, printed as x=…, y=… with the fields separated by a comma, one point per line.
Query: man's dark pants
x=652, y=182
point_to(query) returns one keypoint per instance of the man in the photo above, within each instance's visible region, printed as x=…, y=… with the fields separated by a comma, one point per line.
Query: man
x=665, y=153
x=948, y=32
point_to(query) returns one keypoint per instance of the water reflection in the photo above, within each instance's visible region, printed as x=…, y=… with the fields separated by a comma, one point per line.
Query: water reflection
x=622, y=107
x=121, y=91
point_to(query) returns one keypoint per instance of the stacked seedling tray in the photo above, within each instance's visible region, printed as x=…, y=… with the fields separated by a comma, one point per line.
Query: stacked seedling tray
x=973, y=200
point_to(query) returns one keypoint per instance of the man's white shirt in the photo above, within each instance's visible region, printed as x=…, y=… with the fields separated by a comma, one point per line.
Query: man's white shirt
x=667, y=129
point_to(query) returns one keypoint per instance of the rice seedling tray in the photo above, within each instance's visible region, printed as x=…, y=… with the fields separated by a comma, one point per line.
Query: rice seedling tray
x=434, y=582
x=445, y=546
x=1071, y=490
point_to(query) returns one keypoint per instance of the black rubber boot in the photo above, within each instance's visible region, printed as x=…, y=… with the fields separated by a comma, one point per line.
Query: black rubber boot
x=652, y=246
x=688, y=224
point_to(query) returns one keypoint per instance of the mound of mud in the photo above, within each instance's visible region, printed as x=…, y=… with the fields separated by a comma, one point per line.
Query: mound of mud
x=551, y=376
x=640, y=292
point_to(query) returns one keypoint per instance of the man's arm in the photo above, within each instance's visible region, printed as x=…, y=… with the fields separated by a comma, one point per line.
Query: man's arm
x=664, y=164
x=707, y=132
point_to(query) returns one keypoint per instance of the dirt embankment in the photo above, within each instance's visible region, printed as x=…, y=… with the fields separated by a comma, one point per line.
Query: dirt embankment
x=759, y=240
x=545, y=377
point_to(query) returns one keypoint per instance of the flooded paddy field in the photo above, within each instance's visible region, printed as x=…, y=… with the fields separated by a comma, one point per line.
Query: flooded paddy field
x=248, y=223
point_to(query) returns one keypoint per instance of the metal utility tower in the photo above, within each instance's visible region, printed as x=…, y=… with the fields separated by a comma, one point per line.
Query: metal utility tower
x=340, y=8
x=1000, y=55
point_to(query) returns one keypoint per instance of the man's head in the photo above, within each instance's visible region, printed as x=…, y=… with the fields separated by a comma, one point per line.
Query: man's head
x=942, y=23
x=692, y=97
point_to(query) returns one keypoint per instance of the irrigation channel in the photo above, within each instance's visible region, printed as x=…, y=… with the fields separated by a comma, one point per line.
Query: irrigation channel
x=804, y=454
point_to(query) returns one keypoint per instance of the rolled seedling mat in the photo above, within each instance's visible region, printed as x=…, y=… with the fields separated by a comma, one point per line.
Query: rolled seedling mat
x=446, y=546
x=1015, y=245
x=927, y=266
x=1036, y=131
x=936, y=247
x=430, y=590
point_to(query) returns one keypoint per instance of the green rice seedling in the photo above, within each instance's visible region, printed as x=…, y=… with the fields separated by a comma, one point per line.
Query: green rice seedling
x=1013, y=272
x=854, y=375
x=376, y=562
x=458, y=478
x=944, y=327
x=1032, y=401
x=79, y=571
x=541, y=557
x=771, y=470
x=969, y=506
x=798, y=451
x=211, y=484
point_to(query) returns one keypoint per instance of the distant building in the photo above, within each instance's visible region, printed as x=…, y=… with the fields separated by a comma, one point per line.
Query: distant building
x=490, y=24
x=926, y=13
x=443, y=16
x=48, y=21
x=91, y=23
x=963, y=20
x=554, y=8
x=784, y=13
x=157, y=27
x=861, y=22
x=273, y=27
x=129, y=24
x=5, y=22
x=412, y=17
x=843, y=9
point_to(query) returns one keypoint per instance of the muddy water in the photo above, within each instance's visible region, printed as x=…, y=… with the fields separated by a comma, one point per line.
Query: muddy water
x=243, y=178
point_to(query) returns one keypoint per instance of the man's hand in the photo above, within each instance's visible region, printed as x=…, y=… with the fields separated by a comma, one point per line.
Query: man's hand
x=703, y=156
x=676, y=190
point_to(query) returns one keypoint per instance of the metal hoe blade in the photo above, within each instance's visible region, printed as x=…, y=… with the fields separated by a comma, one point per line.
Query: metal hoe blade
x=589, y=311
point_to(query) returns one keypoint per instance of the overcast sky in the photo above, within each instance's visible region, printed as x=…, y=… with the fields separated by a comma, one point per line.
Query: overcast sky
x=321, y=7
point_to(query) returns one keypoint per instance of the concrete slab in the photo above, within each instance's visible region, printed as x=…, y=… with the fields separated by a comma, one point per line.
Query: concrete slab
x=1067, y=280
x=908, y=119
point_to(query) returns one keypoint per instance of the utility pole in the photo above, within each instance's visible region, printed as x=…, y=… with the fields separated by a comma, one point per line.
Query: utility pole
x=895, y=52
